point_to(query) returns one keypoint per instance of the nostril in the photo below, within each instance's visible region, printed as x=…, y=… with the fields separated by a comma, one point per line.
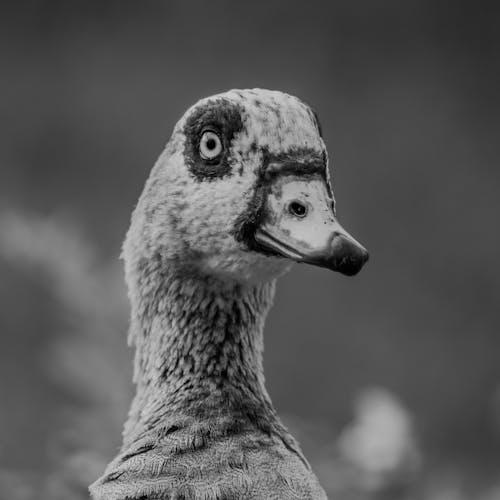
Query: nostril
x=297, y=209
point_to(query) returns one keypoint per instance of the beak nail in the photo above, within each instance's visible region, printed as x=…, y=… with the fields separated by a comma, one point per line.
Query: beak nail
x=347, y=256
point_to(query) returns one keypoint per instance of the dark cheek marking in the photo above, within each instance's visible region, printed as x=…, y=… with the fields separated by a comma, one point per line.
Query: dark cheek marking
x=301, y=162
x=247, y=222
x=298, y=161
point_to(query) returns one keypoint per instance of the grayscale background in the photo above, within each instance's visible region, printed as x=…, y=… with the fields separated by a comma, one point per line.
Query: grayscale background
x=390, y=380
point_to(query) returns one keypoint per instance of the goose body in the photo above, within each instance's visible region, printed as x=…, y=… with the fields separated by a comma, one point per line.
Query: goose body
x=240, y=192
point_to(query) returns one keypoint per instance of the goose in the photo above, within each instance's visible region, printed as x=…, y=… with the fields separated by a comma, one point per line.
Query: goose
x=240, y=193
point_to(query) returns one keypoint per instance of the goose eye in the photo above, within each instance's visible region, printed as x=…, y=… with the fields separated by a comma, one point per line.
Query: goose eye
x=297, y=209
x=210, y=145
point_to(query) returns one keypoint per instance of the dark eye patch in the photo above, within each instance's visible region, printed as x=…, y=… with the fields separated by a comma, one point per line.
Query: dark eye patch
x=223, y=117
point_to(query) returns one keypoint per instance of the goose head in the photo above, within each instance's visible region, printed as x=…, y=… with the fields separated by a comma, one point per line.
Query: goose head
x=242, y=191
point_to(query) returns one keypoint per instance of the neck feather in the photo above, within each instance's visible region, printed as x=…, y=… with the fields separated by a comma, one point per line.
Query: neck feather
x=199, y=343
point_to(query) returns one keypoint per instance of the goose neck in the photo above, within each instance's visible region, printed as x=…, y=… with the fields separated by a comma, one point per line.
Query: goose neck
x=197, y=338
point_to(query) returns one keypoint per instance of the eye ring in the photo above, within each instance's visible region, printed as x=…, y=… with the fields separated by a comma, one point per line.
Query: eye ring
x=297, y=209
x=210, y=145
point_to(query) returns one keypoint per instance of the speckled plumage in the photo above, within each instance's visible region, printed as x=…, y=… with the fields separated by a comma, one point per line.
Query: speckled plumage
x=202, y=425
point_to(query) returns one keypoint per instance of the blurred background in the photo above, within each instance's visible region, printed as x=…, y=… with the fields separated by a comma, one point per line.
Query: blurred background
x=390, y=380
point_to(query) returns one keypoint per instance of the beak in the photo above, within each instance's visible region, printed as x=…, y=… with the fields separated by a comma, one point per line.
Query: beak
x=299, y=223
